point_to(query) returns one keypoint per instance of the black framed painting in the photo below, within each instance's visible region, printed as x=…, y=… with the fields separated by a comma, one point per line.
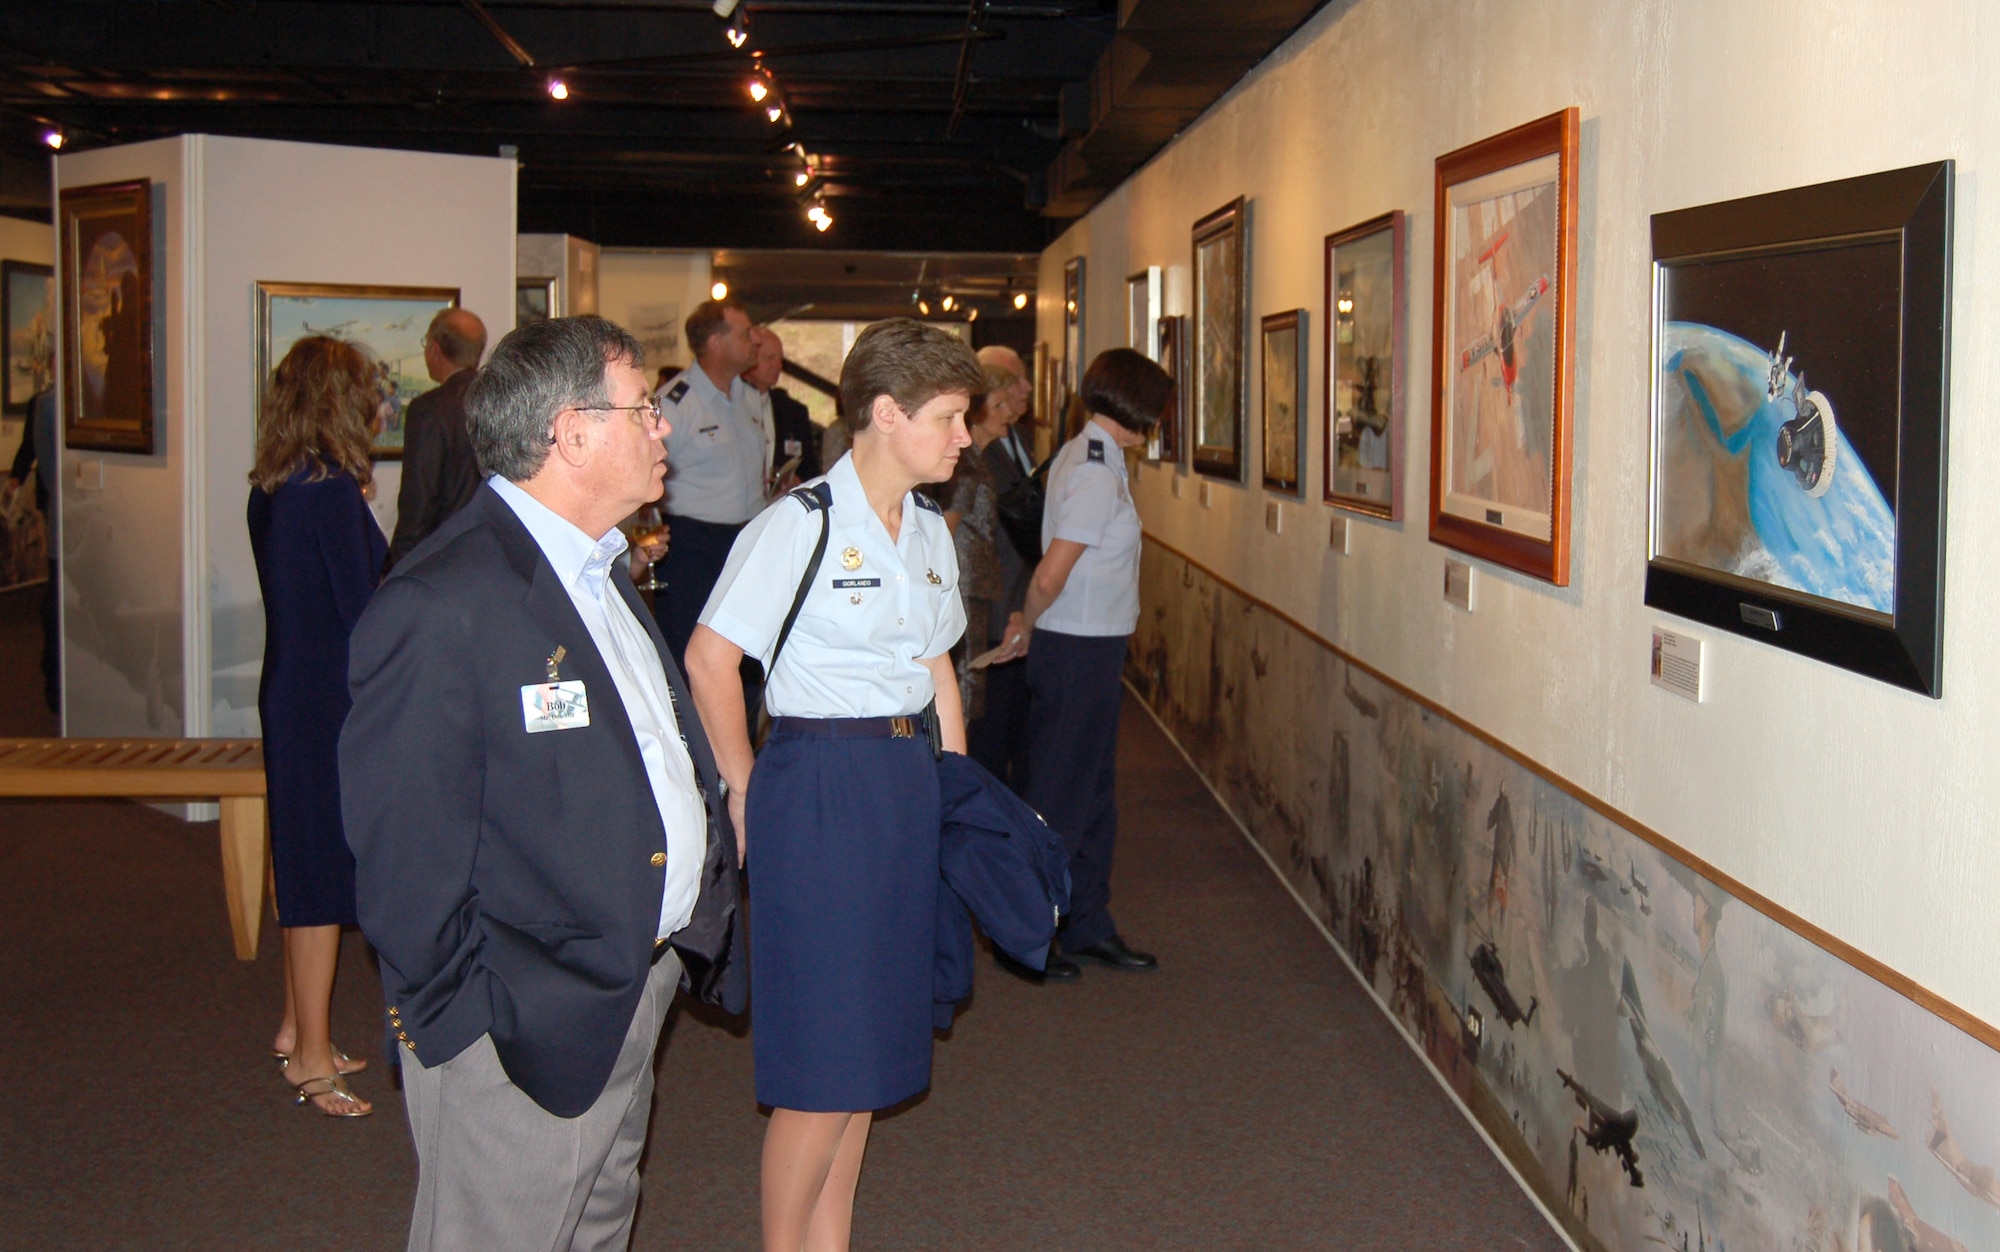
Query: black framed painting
x=388, y=324
x=1167, y=442
x=1284, y=412
x=27, y=327
x=1365, y=317
x=1073, y=311
x=1221, y=330
x=104, y=243
x=1800, y=349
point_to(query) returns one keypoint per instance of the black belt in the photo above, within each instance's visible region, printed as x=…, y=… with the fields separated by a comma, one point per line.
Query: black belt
x=922, y=724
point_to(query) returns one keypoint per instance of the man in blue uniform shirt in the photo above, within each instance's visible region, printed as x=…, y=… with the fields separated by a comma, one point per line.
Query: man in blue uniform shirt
x=720, y=461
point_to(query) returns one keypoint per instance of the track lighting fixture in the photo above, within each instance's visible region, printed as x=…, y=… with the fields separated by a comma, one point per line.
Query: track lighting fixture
x=720, y=291
x=54, y=139
x=558, y=89
x=1020, y=299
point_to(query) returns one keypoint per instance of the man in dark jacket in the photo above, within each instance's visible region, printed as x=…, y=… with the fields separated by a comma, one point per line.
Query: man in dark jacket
x=439, y=473
x=541, y=842
x=793, y=432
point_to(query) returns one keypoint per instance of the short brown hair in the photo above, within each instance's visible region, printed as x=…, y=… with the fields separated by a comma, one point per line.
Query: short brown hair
x=319, y=411
x=910, y=363
x=1126, y=387
x=709, y=319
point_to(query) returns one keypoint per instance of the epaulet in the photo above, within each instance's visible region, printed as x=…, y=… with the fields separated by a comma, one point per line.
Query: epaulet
x=675, y=392
x=816, y=497
x=1096, y=452
x=925, y=502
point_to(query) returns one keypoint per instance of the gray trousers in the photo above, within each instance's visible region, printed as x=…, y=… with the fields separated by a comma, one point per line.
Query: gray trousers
x=497, y=1172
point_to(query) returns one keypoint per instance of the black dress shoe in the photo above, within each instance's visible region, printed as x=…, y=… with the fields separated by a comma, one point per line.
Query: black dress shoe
x=1113, y=952
x=1057, y=970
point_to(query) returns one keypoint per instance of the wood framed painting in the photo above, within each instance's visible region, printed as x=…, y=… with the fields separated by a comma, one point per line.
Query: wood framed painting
x=1073, y=311
x=1167, y=443
x=1221, y=330
x=27, y=327
x=1365, y=313
x=1142, y=311
x=104, y=244
x=387, y=323
x=1285, y=401
x=1039, y=383
x=1800, y=348
x=1502, y=354
x=536, y=299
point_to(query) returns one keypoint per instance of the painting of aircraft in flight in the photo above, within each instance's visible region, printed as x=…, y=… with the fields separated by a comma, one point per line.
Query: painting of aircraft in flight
x=1507, y=320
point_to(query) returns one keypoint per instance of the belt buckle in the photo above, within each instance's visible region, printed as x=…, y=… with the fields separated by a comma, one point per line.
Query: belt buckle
x=902, y=728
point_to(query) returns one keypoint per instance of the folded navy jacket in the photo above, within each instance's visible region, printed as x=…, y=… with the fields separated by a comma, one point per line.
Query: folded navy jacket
x=1000, y=863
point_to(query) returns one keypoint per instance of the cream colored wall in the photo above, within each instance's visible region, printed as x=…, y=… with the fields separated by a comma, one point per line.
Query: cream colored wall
x=650, y=292
x=1866, y=809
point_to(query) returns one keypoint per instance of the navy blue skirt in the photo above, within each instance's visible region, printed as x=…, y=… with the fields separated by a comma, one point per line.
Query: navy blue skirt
x=843, y=867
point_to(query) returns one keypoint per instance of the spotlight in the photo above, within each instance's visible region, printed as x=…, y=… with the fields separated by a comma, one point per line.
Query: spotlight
x=558, y=89
x=1020, y=299
x=801, y=178
x=1345, y=305
x=758, y=90
x=972, y=315
x=736, y=35
x=54, y=139
x=948, y=303
x=924, y=307
x=773, y=111
x=720, y=291
x=825, y=222
x=723, y=8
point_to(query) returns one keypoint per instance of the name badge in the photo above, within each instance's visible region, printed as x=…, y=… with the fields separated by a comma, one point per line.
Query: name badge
x=554, y=706
x=794, y=447
x=849, y=584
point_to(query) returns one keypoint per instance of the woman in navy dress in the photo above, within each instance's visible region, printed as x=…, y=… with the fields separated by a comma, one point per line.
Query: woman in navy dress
x=842, y=811
x=319, y=555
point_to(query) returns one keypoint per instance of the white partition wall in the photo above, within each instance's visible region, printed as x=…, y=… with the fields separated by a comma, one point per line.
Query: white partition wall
x=164, y=627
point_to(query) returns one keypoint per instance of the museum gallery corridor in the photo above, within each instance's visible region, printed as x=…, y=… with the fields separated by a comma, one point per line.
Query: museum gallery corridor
x=1249, y=1095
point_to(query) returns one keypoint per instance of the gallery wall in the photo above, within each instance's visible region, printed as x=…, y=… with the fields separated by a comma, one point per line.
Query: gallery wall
x=1836, y=803
x=650, y=292
x=163, y=626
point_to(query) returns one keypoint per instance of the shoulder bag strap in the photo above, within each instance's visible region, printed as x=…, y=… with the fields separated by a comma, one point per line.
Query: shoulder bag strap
x=817, y=499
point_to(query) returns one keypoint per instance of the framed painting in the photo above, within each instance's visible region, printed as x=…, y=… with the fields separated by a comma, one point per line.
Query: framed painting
x=104, y=243
x=1800, y=347
x=1502, y=354
x=386, y=323
x=1365, y=318
x=1142, y=316
x=1167, y=443
x=1284, y=400
x=1039, y=383
x=27, y=327
x=1221, y=328
x=536, y=299
x=1073, y=311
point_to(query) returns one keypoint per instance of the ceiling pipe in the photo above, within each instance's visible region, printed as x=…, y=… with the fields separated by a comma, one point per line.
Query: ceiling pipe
x=499, y=32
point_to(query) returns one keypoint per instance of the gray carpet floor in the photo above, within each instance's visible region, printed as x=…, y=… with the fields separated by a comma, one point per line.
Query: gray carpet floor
x=1247, y=1095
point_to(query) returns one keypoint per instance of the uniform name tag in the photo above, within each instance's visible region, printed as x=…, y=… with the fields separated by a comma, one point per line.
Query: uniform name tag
x=848, y=584
x=554, y=706
x=1096, y=452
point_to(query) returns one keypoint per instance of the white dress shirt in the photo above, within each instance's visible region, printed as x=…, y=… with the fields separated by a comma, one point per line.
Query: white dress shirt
x=876, y=610
x=717, y=454
x=584, y=566
x=1090, y=502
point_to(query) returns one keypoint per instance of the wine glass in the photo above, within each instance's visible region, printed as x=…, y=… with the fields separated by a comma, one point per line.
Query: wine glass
x=651, y=528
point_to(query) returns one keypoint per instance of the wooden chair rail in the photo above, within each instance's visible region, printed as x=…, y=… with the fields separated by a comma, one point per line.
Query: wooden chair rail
x=228, y=770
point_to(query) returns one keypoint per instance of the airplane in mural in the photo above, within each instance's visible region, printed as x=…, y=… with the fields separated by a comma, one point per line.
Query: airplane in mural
x=1919, y=1235
x=1659, y=1075
x=1492, y=978
x=1608, y=1129
x=1507, y=319
x=1865, y=1119
x=1978, y=1179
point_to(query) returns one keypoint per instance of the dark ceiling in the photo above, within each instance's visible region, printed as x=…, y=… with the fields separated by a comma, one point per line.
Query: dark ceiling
x=946, y=125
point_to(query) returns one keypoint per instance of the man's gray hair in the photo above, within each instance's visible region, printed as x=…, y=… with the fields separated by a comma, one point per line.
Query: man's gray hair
x=538, y=371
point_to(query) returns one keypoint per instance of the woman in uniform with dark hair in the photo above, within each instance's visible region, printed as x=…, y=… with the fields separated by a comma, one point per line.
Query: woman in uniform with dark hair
x=1082, y=604
x=841, y=814
x=319, y=555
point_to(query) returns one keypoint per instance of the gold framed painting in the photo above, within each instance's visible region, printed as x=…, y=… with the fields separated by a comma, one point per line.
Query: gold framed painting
x=1284, y=401
x=388, y=325
x=1503, y=351
x=105, y=244
x=1365, y=318
x=1221, y=335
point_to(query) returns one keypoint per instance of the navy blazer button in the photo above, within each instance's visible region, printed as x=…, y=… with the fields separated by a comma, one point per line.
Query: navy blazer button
x=659, y=859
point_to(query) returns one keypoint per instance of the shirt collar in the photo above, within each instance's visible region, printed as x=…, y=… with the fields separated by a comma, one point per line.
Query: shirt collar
x=1114, y=456
x=698, y=379
x=577, y=559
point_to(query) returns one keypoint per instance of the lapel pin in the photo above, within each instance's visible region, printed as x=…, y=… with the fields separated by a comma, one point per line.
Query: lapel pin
x=555, y=659
x=935, y=580
x=851, y=559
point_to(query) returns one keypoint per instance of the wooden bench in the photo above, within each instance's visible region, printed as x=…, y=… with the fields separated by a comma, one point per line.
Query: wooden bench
x=229, y=770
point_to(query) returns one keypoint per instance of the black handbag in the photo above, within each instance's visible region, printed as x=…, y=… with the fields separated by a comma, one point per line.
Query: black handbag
x=1020, y=508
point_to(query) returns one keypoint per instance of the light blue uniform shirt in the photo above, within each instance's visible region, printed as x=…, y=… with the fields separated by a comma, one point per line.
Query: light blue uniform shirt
x=717, y=455
x=878, y=607
x=1090, y=502
x=584, y=566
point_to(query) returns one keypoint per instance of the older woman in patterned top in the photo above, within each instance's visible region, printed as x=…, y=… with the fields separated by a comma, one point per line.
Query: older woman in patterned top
x=971, y=501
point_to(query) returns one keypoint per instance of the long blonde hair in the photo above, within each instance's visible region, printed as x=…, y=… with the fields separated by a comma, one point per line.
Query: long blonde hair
x=319, y=411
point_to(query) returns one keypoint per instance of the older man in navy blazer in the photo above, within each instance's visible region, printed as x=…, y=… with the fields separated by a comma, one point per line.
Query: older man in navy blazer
x=542, y=847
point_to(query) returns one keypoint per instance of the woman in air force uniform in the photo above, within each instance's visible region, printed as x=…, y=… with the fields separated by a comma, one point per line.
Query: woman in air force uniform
x=840, y=816
x=1082, y=604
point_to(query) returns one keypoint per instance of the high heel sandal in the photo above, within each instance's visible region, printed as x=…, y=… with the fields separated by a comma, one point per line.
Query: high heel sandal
x=340, y=1059
x=306, y=1094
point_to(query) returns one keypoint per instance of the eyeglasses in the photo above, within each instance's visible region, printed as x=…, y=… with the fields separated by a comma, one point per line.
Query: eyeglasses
x=649, y=414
